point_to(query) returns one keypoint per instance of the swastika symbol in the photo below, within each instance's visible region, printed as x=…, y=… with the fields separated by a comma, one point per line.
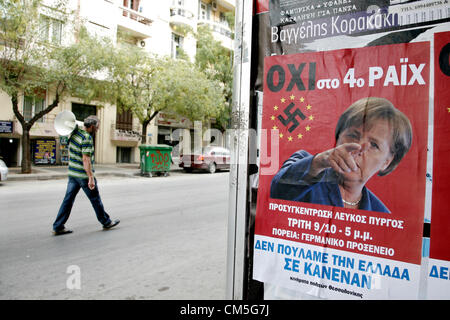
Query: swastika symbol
x=291, y=117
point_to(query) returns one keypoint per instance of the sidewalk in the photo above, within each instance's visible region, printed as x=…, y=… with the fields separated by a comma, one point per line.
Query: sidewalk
x=60, y=172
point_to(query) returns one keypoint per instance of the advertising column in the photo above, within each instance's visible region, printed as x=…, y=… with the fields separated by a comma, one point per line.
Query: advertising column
x=353, y=173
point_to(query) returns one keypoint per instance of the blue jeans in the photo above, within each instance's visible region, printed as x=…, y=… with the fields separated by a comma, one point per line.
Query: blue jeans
x=73, y=186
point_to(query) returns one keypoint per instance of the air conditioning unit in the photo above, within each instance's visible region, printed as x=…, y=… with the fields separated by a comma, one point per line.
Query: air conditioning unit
x=214, y=5
x=141, y=43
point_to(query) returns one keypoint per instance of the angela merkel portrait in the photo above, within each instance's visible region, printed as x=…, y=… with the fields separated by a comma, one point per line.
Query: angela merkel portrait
x=372, y=137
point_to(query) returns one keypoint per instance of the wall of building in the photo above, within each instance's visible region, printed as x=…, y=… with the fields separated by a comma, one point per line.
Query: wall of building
x=106, y=18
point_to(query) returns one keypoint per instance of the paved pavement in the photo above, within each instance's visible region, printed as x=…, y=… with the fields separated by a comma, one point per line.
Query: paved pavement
x=60, y=172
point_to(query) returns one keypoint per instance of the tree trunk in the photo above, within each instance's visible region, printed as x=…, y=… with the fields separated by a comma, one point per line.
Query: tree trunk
x=26, y=147
x=26, y=150
x=144, y=132
x=145, y=123
x=26, y=127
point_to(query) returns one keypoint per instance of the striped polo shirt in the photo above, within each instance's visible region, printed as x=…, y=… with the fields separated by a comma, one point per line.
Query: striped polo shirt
x=80, y=143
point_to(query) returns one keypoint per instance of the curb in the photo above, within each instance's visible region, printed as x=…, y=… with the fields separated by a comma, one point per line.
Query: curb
x=55, y=176
x=29, y=177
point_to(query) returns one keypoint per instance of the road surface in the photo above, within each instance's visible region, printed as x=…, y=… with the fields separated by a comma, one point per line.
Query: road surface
x=170, y=244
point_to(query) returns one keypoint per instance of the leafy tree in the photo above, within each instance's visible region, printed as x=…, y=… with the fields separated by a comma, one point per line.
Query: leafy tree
x=147, y=85
x=188, y=92
x=216, y=62
x=31, y=64
x=132, y=77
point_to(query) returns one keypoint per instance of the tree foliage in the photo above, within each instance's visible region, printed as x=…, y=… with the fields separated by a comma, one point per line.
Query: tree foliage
x=91, y=68
x=31, y=64
x=148, y=84
x=216, y=62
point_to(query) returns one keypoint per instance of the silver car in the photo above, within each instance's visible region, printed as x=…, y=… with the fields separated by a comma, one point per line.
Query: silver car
x=211, y=158
x=3, y=171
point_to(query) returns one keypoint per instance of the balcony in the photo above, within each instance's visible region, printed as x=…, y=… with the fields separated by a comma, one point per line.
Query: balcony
x=227, y=4
x=42, y=128
x=221, y=32
x=218, y=28
x=181, y=16
x=134, y=23
x=129, y=137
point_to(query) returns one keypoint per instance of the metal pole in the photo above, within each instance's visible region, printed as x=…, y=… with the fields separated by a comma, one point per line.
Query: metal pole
x=237, y=210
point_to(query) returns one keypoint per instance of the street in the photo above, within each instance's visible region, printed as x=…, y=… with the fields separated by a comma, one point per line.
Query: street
x=171, y=242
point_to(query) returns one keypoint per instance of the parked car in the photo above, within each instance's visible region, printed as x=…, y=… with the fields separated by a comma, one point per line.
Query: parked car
x=210, y=159
x=3, y=171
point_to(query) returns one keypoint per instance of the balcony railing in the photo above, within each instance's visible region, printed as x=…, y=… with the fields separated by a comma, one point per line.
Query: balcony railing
x=220, y=28
x=132, y=134
x=179, y=15
x=44, y=127
x=181, y=11
x=134, y=15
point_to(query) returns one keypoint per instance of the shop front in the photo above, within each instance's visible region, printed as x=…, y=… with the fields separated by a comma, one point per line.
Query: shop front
x=9, y=143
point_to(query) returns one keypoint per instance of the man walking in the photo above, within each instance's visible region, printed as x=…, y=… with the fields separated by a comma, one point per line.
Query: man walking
x=81, y=176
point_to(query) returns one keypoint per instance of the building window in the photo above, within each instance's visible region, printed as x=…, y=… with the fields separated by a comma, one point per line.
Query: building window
x=50, y=29
x=82, y=111
x=128, y=3
x=179, y=9
x=32, y=106
x=205, y=11
x=124, y=155
x=131, y=4
x=223, y=19
x=177, y=45
x=124, y=120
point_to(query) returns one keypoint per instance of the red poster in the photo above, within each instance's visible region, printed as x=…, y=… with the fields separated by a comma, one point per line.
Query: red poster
x=440, y=216
x=438, y=286
x=261, y=6
x=306, y=97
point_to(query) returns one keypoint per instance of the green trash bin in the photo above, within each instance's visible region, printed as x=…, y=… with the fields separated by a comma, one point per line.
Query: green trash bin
x=155, y=159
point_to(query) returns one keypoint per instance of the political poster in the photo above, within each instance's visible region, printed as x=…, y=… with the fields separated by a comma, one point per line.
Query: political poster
x=296, y=21
x=284, y=28
x=308, y=24
x=439, y=261
x=341, y=194
x=45, y=151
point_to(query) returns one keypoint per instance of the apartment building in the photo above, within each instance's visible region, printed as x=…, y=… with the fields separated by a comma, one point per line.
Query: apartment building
x=158, y=27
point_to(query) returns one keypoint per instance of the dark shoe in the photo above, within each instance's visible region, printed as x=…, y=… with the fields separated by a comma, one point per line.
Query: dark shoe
x=62, y=231
x=111, y=224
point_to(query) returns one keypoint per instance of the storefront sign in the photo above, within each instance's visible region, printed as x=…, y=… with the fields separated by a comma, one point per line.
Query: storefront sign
x=6, y=127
